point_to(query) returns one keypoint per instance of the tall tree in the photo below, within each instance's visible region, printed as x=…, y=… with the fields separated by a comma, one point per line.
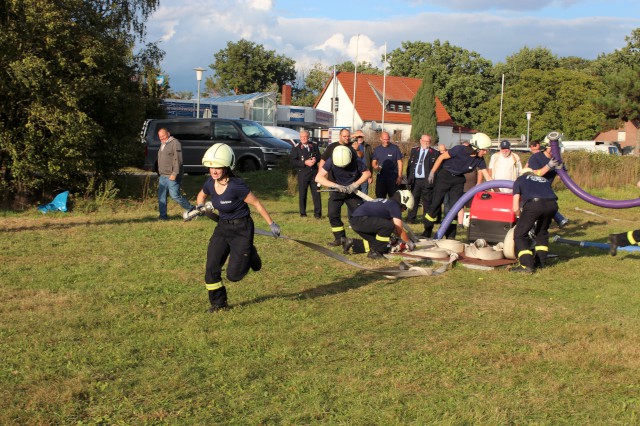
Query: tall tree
x=73, y=95
x=423, y=111
x=538, y=58
x=246, y=67
x=462, y=79
x=313, y=81
x=560, y=100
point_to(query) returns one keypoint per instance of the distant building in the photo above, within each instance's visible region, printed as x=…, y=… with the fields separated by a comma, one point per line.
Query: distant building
x=625, y=136
x=260, y=107
x=398, y=92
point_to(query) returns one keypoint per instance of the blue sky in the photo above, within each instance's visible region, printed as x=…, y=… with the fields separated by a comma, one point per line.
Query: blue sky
x=331, y=31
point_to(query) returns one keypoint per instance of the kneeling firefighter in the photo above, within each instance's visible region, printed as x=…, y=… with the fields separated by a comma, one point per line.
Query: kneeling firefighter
x=375, y=221
x=233, y=236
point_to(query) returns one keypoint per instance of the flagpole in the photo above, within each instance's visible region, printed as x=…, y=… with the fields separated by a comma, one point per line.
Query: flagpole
x=501, y=97
x=384, y=83
x=355, y=74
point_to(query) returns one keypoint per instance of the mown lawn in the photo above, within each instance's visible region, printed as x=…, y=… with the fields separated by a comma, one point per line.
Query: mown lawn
x=102, y=321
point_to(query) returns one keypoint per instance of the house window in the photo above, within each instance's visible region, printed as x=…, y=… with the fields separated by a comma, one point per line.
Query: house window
x=622, y=136
x=392, y=107
x=400, y=108
x=408, y=108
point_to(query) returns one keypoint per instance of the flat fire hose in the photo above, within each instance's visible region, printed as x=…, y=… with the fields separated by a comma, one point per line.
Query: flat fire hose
x=413, y=271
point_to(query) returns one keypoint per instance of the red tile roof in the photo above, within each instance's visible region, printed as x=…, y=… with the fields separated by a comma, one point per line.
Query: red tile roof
x=369, y=97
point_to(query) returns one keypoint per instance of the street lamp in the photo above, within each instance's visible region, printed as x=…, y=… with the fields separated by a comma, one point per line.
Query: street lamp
x=528, y=122
x=198, y=71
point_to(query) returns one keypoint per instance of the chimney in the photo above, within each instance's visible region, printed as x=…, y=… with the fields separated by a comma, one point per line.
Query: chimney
x=286, y=95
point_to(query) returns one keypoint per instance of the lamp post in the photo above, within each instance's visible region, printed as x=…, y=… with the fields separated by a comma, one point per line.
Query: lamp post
x=528, y=122
x=198, y=71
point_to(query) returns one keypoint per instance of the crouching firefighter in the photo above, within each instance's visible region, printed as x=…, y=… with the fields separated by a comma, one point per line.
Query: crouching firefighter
x=344, y=173
x=233, y=236
x=450, y=178
x=535, y=203
x=375, y=221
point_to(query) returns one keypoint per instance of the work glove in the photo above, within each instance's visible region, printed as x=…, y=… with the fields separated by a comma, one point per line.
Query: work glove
x=275, y=229
x=431, y=178
x=352, y=188
x=411, y=245
x=554, y=164
x=191, y=214
x=208, y=211
x=341, y=188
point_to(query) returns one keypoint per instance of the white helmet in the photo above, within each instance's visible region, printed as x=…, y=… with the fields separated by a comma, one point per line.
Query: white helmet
x=219, y=155
x=405, y=198
x=480, y=141
x=341, y=156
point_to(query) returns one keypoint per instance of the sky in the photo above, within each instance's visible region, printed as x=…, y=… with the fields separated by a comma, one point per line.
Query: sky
x=331, y=31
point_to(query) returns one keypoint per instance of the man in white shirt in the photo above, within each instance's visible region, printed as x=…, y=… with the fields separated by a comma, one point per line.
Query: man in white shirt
x=505, y=165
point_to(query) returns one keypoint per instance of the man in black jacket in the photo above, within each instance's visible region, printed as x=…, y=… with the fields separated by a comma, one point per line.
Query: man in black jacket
x=421, y=159
x=305, y=158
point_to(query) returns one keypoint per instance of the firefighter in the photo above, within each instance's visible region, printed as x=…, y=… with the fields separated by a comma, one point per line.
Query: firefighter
x=233, y=236
x=543, y=164
x=450, y=179
x=631, y=238
x=375, y=221
x=535, y=203
x=344, y=173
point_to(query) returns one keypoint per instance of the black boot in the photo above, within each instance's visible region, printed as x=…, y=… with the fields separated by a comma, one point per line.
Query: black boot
x=218, y=299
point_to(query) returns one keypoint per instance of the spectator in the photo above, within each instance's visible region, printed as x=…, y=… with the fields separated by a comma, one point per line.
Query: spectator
x=387, y=161
x=170, y=171
x=505, y=165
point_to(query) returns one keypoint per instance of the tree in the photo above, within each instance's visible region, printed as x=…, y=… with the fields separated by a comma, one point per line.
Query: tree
x=538, y=58
x=246, y=67
x=462, y=79
x=423, y=111
x=560, y=100
x=621, y=101
x=314, y=81
x=74, y=95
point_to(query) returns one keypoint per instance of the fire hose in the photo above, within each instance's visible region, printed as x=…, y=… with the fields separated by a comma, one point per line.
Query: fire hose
x=413, y=271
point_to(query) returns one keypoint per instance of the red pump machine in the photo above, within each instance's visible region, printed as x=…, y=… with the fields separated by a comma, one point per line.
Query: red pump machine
x=491, y=216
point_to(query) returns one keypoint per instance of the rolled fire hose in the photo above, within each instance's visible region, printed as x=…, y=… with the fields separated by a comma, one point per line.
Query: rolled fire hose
x=483, y=253
x=451, y=245
x=414, y=271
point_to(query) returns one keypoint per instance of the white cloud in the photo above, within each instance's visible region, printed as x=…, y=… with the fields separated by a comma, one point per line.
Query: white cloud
x=196, y=29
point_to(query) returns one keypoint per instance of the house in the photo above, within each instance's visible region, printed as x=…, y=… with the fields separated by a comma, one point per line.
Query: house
x=626, y=136
x=338, y=97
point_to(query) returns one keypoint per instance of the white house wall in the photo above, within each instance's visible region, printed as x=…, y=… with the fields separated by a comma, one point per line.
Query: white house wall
x=344, y=118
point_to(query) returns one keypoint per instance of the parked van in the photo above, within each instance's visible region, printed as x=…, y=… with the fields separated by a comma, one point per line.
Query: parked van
x=253, y=145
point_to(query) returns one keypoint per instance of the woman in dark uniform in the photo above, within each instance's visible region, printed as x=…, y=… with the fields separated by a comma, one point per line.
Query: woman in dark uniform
x=233, y=236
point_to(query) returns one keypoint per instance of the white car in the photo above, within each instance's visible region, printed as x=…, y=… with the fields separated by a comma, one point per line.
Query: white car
x=286, y=134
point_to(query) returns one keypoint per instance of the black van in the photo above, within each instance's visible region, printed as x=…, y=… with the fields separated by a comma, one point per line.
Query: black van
x=253, y=145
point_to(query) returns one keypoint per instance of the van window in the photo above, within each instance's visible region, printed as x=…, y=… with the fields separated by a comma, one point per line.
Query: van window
x=194, y=130
x=254, y=130
x=225, y=131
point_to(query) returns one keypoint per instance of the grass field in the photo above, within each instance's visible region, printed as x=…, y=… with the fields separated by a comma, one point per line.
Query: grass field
x=102, y=321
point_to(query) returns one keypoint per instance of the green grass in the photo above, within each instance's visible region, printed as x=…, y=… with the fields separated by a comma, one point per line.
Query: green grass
x=102, y=321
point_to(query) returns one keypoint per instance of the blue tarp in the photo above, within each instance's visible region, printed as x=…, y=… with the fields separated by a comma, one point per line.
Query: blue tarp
x=58, y=204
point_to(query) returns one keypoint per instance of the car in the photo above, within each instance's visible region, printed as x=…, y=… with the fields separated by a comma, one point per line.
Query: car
x=286, y=134
x=254, y=147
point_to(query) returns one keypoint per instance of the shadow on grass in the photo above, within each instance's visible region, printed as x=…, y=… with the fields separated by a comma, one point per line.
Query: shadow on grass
x=69, y=225
x=351, y=283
